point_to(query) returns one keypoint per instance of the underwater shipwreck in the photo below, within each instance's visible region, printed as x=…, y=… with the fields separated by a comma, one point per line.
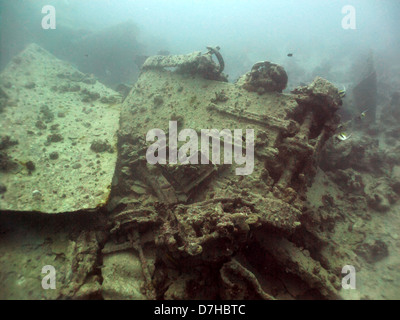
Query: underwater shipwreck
x=77, y=193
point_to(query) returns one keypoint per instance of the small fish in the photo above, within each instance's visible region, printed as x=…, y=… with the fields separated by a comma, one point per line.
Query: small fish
x=343, y=136
x=290, y=55
x=363, y=114
x=86, y=55
x=342, y=93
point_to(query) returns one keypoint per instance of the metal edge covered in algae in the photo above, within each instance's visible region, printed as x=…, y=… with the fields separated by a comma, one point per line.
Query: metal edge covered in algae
x=62, y=127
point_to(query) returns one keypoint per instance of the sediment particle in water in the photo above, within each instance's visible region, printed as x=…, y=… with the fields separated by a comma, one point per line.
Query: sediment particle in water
x=30, y=85
x=17, y=60
x=54, y=127
x=76, y=166
x=100, y=146
x=6, y=142
x=37, y=195
x=30, y=166
x=47, y=114
x=55, y=138
x=40, y=125
x=89, y=96
x=158, y=100
x=54, y=155
x=109, y=100
x=373, y=251
x=6, y=164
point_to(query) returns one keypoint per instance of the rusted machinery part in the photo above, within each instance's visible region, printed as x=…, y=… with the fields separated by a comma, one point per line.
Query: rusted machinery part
x=215, y=50
x=258, y=65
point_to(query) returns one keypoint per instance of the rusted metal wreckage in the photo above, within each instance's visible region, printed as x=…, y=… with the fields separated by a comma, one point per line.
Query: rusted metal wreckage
x=208, y=232
x=199, y=231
